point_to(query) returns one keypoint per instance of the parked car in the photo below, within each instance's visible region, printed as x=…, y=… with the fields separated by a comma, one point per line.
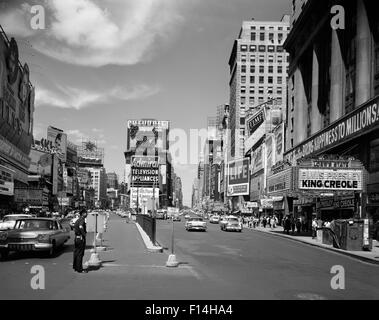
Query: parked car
x=231, y=223
x=9, y=221
x=196, y=224
x=214, y=219
x=34, y=234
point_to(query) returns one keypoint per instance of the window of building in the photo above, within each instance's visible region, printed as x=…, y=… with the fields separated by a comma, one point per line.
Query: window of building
x=243, y=58
x=292, y=124
x=261, y=90
x=261, y=28
x=269, y=90
x=252, y=79
x=243, y=100
x=271, y=48
x=243, y=90
x=243, y=47
x=253, y=48
x=242, y=121
x=271, y=37
x=262, y=36
x=243, y=69
x=279, y=80
x=279, y=49
x=252, y=59
x=280, y=69
x=252, y=90
x=253, y=36
x=280, y=28
x=261, y=80
x=270, y=80
x=270, y=69
x=243, y=79
x=262, y=48
x=261, y=99
x=279, y=91
x=280, y=38
x=252, y=28
x=252, y=69
x=261, y=69
x=251, y=100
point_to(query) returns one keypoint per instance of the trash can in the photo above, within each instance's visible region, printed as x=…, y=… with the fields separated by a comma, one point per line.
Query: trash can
x=353, y=234
x=326, y=236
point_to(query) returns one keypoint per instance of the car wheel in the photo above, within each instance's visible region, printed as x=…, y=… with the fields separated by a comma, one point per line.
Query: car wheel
x=53, y=250
x=4, y=255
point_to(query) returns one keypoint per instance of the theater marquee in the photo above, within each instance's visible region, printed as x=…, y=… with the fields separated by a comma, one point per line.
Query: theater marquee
x=329, y=179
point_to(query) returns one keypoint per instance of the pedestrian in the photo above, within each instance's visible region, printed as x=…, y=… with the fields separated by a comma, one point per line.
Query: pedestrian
x=293, y=225
x=314, y=228
x=80, y=242
x=298, y=225
x=287, y=225
x=264, y=222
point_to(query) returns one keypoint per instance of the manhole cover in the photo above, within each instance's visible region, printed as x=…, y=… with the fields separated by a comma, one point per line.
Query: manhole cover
x=310, y=296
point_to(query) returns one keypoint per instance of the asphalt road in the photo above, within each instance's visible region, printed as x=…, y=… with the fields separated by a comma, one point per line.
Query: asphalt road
x=255, y=265
x=214, y=265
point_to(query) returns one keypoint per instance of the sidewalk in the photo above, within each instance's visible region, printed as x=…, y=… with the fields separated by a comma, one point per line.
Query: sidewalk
x=367, y=256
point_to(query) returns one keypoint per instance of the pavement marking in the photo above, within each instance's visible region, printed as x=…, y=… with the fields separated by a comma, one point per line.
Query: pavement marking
x=193, y=271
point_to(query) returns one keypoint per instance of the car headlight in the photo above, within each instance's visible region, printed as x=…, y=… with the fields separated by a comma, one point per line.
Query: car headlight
x=3, y=236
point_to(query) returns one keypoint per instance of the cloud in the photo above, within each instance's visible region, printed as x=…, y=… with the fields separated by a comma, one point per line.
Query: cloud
x=78, y=98
x=99, y=32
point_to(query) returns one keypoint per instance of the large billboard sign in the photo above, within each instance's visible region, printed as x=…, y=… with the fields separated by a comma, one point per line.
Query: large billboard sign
x=41, y=163
x=58, y=140
x=147, y=136
x=144, y=171
x=144, y=197
x=255, y=121
x=238, y=177
x=89, y=153
x=329, y=179
x=353, y=125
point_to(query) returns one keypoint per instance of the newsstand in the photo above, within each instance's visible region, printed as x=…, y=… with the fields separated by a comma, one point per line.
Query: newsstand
x=353, y=234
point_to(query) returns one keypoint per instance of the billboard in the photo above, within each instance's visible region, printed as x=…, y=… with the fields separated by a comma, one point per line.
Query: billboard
x=238, y=177
x=329, y=179
x=144, y=171
x=144, y=197
x=147, y=136
x=6, y=181
x=89, y=153
x=279, y=142
x=41, y=162
x=58, y=140
x=255, y=121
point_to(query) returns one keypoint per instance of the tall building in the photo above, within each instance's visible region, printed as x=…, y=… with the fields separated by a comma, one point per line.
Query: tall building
x=258, y=73
x=16, y=122
x=99, y=185
x=112, y=181
x=333, y=113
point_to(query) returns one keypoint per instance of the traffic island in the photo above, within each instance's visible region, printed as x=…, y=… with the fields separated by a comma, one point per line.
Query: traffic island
x=150, y=246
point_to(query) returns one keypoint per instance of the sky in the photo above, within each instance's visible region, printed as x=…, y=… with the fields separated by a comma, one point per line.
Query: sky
x=99, y=63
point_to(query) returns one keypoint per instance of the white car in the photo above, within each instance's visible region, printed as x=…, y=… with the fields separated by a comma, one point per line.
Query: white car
x=9, y=221
x=214, y=219
x=231, y=223
x=196, y=224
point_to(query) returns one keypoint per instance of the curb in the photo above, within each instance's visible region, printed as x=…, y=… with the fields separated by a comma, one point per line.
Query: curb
x=146, y=240
x=346, y=253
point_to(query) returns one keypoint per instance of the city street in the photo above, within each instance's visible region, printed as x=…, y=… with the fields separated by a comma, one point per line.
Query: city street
x=254, y=265
x=213, y=265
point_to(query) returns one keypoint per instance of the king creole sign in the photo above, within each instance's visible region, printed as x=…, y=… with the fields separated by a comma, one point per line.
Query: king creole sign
x=329, y=179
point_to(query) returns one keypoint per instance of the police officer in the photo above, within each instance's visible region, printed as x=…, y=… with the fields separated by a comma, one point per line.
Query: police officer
x=80, y=242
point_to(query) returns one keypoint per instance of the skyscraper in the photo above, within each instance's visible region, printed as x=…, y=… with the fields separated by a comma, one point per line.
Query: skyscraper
x=258, y=73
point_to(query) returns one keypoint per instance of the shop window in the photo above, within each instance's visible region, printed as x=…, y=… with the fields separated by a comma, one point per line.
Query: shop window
x=374, y=155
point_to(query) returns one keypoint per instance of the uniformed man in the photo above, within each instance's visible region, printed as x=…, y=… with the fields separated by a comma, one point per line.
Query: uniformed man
x=80, y=242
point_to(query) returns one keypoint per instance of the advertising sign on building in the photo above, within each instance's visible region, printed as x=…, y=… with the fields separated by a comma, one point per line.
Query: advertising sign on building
x=146, y=136
x=257, y=159
x=238, y=177
x=6, y=181
x=59, y=142
x=352, y=125
x=270, y=153
x=279, y=142
x=144, y=171
x=144, y=197
x=329, y=179
x=255, y=121
x=280, y=182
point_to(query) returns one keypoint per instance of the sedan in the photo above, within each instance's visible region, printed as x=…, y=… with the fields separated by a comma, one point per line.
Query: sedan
x=214, y=219
x=34, y=234
x=196, y=224
x=232, y=224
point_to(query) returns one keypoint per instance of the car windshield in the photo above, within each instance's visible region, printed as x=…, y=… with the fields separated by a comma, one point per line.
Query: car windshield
x=231, y=220
x=196, y=219
x=35, y=224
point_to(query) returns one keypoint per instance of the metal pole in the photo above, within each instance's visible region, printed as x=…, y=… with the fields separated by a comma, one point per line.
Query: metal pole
x=172, y=237
x=94, y=241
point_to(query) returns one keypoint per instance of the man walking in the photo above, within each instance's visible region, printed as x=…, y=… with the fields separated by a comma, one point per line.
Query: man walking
x=80, y=242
